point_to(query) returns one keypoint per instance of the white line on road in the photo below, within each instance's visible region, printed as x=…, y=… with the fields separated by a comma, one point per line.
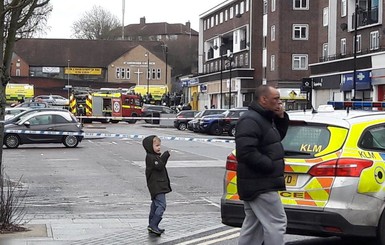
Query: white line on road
x=215, y=235
x=211, y=202
x=220, y=239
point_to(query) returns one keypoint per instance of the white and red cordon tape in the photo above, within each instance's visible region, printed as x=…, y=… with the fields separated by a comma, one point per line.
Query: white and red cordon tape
x=104, y=135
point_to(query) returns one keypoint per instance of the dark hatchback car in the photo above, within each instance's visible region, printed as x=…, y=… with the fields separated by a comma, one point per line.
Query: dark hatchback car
x=63, y=128
x=183, y=117
x=24, y=114
x=217, y=124
x=151, y=111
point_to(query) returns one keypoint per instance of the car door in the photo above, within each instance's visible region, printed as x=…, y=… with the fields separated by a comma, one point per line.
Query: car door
x=41, y=123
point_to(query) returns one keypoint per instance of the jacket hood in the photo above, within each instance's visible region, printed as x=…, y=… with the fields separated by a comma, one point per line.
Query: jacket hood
x=148, y=144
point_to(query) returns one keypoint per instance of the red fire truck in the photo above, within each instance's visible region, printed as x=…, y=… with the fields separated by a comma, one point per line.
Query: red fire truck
x=105, y=106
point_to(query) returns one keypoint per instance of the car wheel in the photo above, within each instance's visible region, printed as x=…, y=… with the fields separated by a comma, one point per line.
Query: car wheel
x=114, y=121
x=232, y=131
x=12, y=141
x=381, y=230
x=148, y=120
x=70, y=141
x=216, y=130
x=182, y=126
x=132, y=121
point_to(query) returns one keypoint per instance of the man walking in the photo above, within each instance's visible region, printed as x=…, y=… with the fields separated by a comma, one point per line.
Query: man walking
x=260, y=173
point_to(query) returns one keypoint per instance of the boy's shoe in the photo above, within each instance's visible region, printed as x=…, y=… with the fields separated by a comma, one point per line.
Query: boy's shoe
x=156, y=231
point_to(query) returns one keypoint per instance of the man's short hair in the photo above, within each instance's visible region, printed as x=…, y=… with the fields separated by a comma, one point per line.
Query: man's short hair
x=262, y=90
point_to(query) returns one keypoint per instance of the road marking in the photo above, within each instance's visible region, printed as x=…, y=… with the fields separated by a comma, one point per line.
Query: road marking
x=211, y=202
x=215, y=235
x=220, y=239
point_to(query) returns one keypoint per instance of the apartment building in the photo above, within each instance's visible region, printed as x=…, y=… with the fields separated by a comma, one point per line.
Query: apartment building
x=351, y=57
x=245, y=43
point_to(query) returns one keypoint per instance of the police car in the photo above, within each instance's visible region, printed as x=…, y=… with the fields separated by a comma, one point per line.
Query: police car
x=334, y=173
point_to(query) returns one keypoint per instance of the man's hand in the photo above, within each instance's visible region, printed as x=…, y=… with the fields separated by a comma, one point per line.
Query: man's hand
x=280, y=111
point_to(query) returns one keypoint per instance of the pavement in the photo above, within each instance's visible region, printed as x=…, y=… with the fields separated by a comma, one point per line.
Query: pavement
x=112, y=230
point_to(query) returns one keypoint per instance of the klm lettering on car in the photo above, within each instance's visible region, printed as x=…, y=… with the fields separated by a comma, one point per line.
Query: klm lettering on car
x=372, y=179
x=310, y=148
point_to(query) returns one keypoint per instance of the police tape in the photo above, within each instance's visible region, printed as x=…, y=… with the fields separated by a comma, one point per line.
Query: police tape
x=150, y=118
x=107, y=135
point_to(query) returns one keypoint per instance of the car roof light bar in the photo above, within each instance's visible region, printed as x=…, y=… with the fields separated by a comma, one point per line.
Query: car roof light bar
x=356, y=104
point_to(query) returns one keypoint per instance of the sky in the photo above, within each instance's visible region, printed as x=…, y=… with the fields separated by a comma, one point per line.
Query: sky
x=66, y=12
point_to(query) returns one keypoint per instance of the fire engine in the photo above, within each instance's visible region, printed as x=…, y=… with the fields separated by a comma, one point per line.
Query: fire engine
x=105, y=105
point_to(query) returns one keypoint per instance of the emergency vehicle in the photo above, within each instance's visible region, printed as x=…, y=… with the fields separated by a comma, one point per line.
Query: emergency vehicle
x=334, y=173
x=105, y=106
x=15, y=92
x=156, y=91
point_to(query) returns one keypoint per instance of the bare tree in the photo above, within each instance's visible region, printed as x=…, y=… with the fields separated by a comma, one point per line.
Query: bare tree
x=18, y=19
x=95, y=24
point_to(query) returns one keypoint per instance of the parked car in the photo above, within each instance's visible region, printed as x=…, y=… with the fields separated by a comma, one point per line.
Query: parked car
x=334, y=174
x=190, y=124
x=183, y=117
x=217, y=124
x=52, y=121
x=155, y=111
x=27, y=112
x=52, y=99
x=33, y=104
x=195, y=122
x=13, y=111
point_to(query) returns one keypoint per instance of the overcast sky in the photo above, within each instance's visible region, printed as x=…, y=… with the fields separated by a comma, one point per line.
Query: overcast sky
x=66, y=12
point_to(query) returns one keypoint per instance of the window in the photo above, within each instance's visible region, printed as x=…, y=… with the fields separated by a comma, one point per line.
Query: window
x=343, y=46
x=221, y=17
x=273, y=5
x=158, y=74
x=300, y=62
x=231, y=12
x=247, y=5
x=264, y=6
x=148, y=73
x=358, y=43
x=373, y=138
x=212, y=22
x=128, y=76
x=343, y=8
x=242, y=8
x=226, y=15
x=153, y=74
x=117, y=72
x=325, y=50
x=272, y=63
x=272, y=33
x=300, y=32
x=300, y=4
x=325, y=17
x=374, y=40
x=216, y=20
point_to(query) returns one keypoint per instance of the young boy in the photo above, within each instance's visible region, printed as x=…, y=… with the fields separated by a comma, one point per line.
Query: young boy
x=158, y=182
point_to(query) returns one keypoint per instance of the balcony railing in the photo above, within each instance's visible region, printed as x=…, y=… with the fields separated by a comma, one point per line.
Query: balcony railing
x=365, y=17
x=347, y=55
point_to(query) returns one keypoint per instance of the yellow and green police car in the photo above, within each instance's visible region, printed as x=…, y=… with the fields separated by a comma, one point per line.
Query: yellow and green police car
x=334, y=173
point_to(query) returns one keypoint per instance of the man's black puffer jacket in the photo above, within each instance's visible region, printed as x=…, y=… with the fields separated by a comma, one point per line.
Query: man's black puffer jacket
x=259, y=152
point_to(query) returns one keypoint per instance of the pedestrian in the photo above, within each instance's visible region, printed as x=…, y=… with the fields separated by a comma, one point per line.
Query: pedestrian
x=158, y=182
x=260, y=171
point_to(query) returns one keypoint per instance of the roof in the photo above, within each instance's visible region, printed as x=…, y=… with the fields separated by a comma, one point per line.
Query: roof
x=341, y=118
x=80, y=52
x=160, y=28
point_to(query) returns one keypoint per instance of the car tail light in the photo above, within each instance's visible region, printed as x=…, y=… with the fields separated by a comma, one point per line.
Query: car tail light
x=227, y=120
x=349, y=167
x=180, y=116
x=231, y=162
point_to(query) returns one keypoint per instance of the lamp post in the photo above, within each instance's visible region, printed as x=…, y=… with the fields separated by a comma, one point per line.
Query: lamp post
x=166, y=53
x=221, y=76
x=147, y=54
x=68, y=79
x=355, y=52
x=230, y=60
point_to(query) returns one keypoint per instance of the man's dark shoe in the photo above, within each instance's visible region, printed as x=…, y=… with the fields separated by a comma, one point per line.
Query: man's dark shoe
x=154, y=230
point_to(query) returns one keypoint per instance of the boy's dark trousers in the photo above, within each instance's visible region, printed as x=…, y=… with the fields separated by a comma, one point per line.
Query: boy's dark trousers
x=158, y=206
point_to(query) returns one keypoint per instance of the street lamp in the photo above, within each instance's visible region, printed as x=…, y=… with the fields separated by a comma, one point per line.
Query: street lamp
x=68, y=79
x=166, y=53
x=355, y=52
x=230, y=60
x=147, y=54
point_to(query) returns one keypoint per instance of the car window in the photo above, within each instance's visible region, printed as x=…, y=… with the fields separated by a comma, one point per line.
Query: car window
x=40, y=120
x=306, y=139
x=58, y=119
x=373, y=138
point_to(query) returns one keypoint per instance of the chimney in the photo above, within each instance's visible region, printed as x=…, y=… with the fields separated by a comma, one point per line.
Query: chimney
x=143, y=20
x=188, y=25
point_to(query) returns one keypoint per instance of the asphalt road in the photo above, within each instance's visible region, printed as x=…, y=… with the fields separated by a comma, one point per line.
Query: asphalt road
x=106, y=175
